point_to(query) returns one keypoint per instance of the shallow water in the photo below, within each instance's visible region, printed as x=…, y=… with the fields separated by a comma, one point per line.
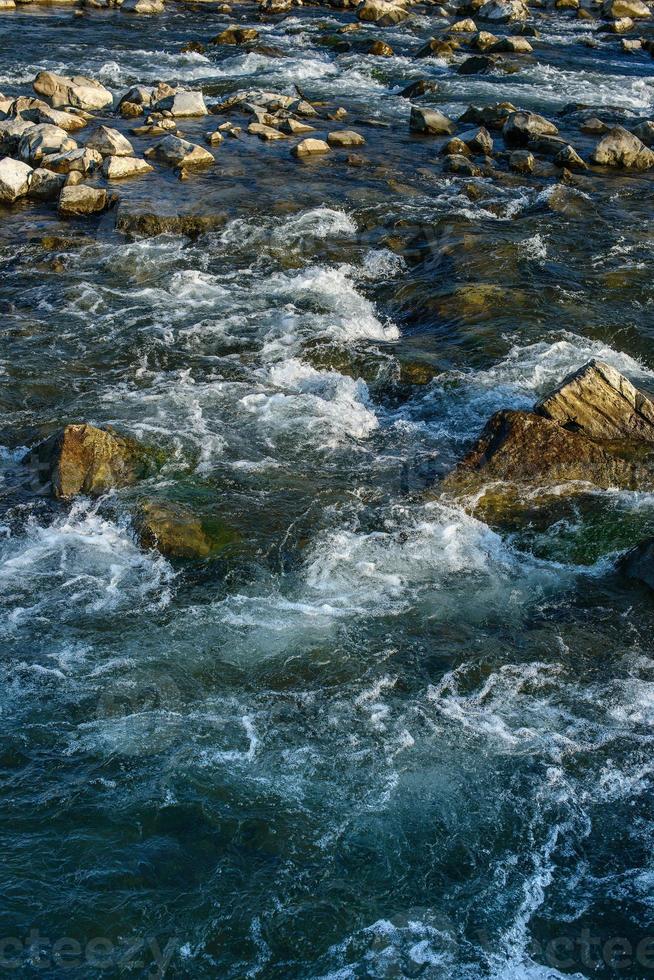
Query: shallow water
x=377, y=738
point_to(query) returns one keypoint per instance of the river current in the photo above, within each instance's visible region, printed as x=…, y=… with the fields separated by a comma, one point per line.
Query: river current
x=377, y=738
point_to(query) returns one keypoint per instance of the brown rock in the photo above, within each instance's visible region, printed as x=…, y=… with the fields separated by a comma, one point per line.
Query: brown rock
x=176, y=532
x=620, y=148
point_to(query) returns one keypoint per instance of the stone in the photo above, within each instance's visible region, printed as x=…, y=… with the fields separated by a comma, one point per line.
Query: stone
x=456, y=163
x=82, y=160
x=466, y=26
x=176, y=532
x=484, y=41
x=600, y=402
x=594, y=126
x=236, y=35
x=345, y=138
x=75, y=201
x=645, y=133
x=491, y=116
x=310, y=147
x=620, y=148
x=142, y=7
x=193, y=47
x=521, y=127
x=43, y=139
x=620, y=26
x=273, y=7
x=45, y=185
x=479, y=141
x=504, y=11
x=568, y=157
x=149, y=225
x=638, y=563
x=519, y=448
x=437, y=48
x=215, y=138
x=456, y=147
x=177, y=152
x=430, y=121
x=70, y=122
x=511, y=45
x=629, y=46
x=295, y=127
x=477, y=64
x=183, y=104
x=416, y=89
x=118, y=168
x=82, y=459
x=635, y=9
x=14, y=179
x=380, y=49
x=110, y=143
x=522, y=161
x=381, y=12
x=11, y=133
x=77, y=91
x=265, y=132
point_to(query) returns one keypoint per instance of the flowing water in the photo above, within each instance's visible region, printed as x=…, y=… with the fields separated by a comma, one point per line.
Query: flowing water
x=376, y=738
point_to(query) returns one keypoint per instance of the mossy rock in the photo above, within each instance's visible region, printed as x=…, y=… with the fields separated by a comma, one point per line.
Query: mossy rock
x=176, y=532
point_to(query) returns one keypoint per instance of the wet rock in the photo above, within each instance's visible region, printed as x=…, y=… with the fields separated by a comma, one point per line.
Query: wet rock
x=381, y=12
x=193, y=47
x=176, y=532
x=511, y=45
x=82, y=459
x=477, y=64
x=419, y=88
x=568, y=157
x=380, y=49
x=215, y=138
x=109, y=142
x=183, y=104
x=478, y=141
x=466, y=26
x=177, y=152
x=630, y=46
x=600, y=402
x=455, y=147
x=82, y=160
x=620, y=148
x=491, y=116
x=77, y=91
x=430, y=121
x=265, y=132
x=310, y=147
x=295, y=127
x=521, y=127
x=523, y=448
x=635, y=9
x=459, y=164
x=594, y=126
x=11, y=133
x=437, y=48
x=484, y=41
x=119, y=168
x=645, y=133
x=130, y=110
x=273, y=7
x=504, y=11
x=14, y=179
x=70, y=122
x=142, y=7
x=45, y=185
x=345, y=138
x=638, y=563
x=76, y=201
x=522, y=161
x=149, y=225
x=43, y=139
x=236, y=35
x=620, y=26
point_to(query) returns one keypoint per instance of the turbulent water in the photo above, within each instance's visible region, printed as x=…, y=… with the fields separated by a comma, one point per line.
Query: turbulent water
x=376, y=738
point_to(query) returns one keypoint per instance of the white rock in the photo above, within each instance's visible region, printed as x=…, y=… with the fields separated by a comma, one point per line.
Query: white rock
x=77, y=91
x=143, y=7
x=381, y=12
x=82, y=160
x=183, y=104
x=117, y=168
x=504, y=11
x=70, y=122
x=109, y=142
x=42, y=139
x=310, y=147
x=178, y=152
x=14, y=179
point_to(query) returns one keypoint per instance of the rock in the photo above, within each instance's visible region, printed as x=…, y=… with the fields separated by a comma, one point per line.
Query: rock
x=600, y=402
x=484, y=41
x=14, y=179
x=142, y=7
x=594, y=126
x=459, y=164
x=345, y=138
x=265, y=132
x=430, y=121
x=380, y=49
x=511, y=45
x=82, y=160
x=521, y=127
x=177, y=533
x=381, y=12
x=82, y=459
x=491, y=116
x=148, y=225
x=236, y=35
x=310, y=147
x=522, y=161
x=524, y=448
x=118, y=168
x=110, y=143
x=43, y=139
x=620, y=148
x=477, y=64
x=273, y=7
x=645, y=133
x=416, y=89
x=45, y=185
x=130, y=110
x=620, y=26
x=177, y=152
x=75, y=201
x=466, y=26
x=193, y=47
x=630, y=46
x=70, y=122
x=456, y=147
x=437, y=48
x=183, y=105
x=215, y=138
x=479, y=141
x=78, y=91
x=295, y=127
x=638, y=563
x=568, y=157
x=635, y=9
x=11, y=133
x=504, y=11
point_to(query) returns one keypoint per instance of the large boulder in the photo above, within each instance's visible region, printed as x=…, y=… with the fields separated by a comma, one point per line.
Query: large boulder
x=430, y=121
x=110, y=142
x=14, y=179
x=600, y=402
x=620, y=148
x=78, y=200
x=81, y=161
x=40, y=112
x=521, y=127
x=43, y=139
x=77, y=91
x=381, y=12
x=635, y=9
x=82, y=459
x=177, y=152
x=177, y=532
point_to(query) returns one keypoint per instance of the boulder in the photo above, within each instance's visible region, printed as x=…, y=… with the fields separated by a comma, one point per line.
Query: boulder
x=178, y=152
x=310, y=147
x=519, y=448
x=148, y=225
x=265, y=132
x=14, y=179
x=183, y=104
x=638, y=563
x=176, y=532
x=477, y=64
x=45, y=185
x=11, y=133
x=635, y=9
x=436, y=47
x=76, y=201
x=117, y=168
x=345, y=138
x=484, y=41
x=381, y=12
x=71, y=122
x=620, y=148
x=430, y=121
x=504, y=11
x=295, y=127
x=43, y=139
x=142, y=7
x=478, y=141
x=600, y=402
x=568, y=157
x=380, y=49
x=522, y=161
x=645, y=133
x=466, y=26
x=511, y=45
x=82, y=160
x=110, y=143
x=77, y=91
x=236, y=35
x=82, y=459
x=416, y=89
x=491, y=116
x=521, y=127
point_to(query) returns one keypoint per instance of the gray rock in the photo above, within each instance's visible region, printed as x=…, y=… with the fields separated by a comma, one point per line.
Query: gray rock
x=14, y=179
x=77, y=91
x=430, y=121
x=620, y=148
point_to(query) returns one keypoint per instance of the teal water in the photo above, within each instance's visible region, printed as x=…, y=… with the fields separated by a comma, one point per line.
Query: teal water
x=377, y=738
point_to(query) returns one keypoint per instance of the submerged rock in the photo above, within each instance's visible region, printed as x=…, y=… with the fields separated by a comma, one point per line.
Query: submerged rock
x=176, y=532
x=82, y=459
x=77, y=91
x=345, y=138
x=600, y=402
x=148, y=225
x=620, y=148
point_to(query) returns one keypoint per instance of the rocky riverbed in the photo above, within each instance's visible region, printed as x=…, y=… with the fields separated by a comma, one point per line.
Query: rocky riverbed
x=327, y=489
